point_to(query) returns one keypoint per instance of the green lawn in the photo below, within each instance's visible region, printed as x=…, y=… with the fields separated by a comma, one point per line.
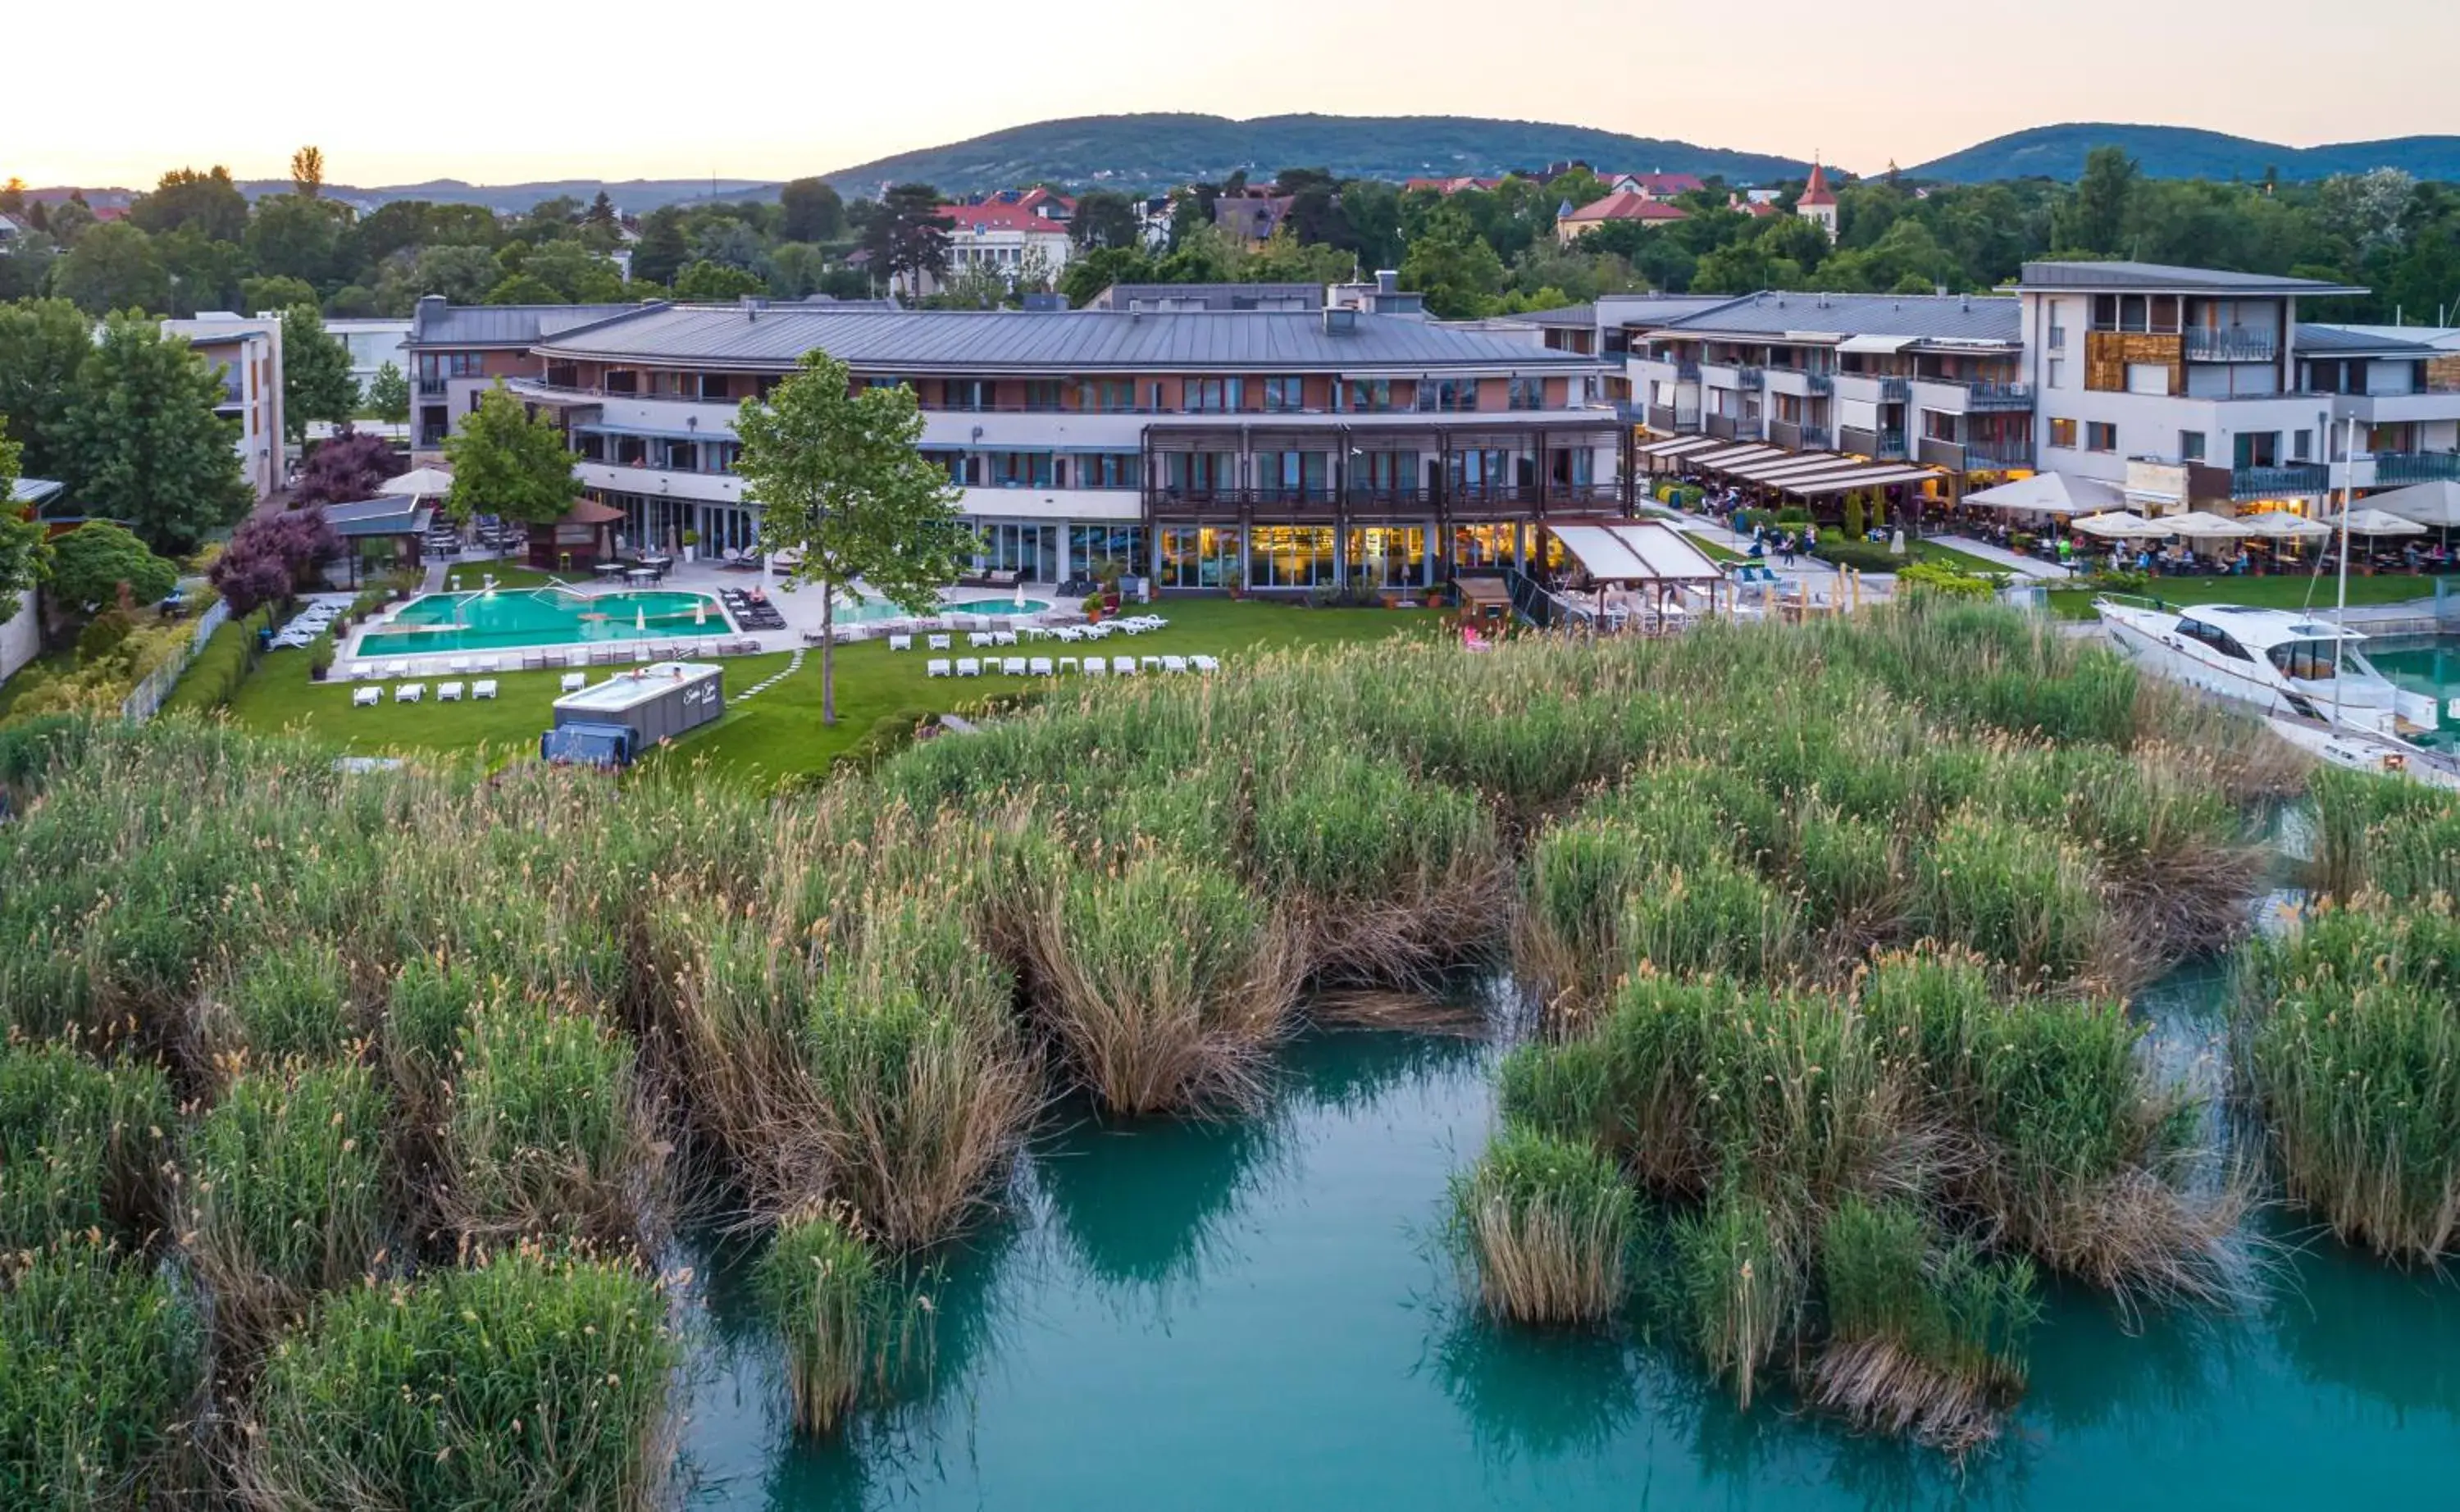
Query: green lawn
x=2264, y=593
x=1961, y=560
x=778, y=731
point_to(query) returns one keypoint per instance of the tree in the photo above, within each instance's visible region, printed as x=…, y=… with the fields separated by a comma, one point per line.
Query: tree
x=1097, y=270
x=205, y=274
x=272, y=557
x=460, y=273
x=347, y=468
x=388, y=395
x=93, y=564
x=308, y=173
x=1284, y=258
x=906, y=238
x=142, y=442
x=510, y=463
x=186, y=200
x=42, y=344
x=25, y=555
x=1106, y=218
x=664, y=248
x=730, y=244
x=715, y=281
x=811, y=212
x=298, y=236
x=522, y=290
x=261, y=294
x=1458, y=272
x=841, y=478
x=601, y=211
x=2103, y=197
x=796, y=270
x=316, y=382
x=115, y=266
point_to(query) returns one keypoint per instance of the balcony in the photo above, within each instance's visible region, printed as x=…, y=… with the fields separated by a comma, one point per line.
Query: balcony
x=1666, y=417
x=2394, y=468
x=2278, y=482
x=1932, y=451
x=1987, y=455
x=1796, y=436
x=1724, y=427
x=1999, y=398
x=2230, y=346
x=1884, y=446
x=431, y=388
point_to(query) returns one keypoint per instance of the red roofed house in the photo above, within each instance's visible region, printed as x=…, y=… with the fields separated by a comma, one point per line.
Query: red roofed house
x=1654, y=185
x=1818, y=201
x=1449, y=185
x=1011, y=234
x=1625, y=206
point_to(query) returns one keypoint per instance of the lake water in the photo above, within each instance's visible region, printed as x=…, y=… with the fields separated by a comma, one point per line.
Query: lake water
x=1255, y=1315
x=2429, y=665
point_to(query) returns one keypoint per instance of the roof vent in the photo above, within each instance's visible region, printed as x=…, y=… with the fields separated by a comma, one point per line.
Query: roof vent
x=1340, y=321
x=1387, y=280
x=752, y=306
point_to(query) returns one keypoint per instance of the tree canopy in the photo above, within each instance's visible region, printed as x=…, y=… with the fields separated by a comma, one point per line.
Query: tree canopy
x=142, y=442
x=510, y=463
x=316, y=382
x=93, y=564
x=24, y=556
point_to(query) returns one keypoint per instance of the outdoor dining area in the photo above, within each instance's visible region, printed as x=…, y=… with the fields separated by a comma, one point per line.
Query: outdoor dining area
x=645, y=568
x=2091, y=526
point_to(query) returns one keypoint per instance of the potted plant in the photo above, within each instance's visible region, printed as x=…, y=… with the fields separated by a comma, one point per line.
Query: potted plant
x=692, y=541
x=320, y=658
x=1093, y=606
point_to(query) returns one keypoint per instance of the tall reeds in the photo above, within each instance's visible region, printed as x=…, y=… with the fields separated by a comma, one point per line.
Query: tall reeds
x=550, y=1130
x=1545, y=1226
x=1741, y=1279
x=849, y=1326
x=82, y=1145
x=102, y=1356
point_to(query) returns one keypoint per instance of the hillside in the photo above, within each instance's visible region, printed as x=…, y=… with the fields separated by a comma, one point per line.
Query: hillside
x=2182, y=152
x=1156, y=151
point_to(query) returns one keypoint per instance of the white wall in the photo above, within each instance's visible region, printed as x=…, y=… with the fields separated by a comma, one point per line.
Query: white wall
x=21, y=637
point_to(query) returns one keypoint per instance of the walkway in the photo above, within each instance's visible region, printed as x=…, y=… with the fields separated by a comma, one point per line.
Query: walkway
x=2014, y=562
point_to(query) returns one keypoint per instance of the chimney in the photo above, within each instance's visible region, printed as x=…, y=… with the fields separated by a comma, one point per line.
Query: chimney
x=752, y=306
x=1387, y=280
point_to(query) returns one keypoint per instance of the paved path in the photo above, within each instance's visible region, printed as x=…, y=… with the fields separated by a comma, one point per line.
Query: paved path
x=2014, y=562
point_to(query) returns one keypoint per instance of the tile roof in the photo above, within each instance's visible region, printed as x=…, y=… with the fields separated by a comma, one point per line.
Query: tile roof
x=995, y=216
x=1082, y=340
x=1656, y=184
x=1922, y=317
x=2163, y=277
x=1627, y=205
x=1816, y=191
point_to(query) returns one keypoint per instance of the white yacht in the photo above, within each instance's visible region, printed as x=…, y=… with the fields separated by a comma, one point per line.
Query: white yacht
x=2285, y=662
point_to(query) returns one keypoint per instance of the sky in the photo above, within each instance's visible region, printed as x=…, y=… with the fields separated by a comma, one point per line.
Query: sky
x=773, y=89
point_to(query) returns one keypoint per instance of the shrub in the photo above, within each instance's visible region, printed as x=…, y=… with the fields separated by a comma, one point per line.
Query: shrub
x=1544, y=1225
x=544, y=1134
x=81, y=1145
x=1946, y=580
x=847, y=1325
x=1862, y=556
x=100, y=1357
x=229, y=654
x=524, y=1381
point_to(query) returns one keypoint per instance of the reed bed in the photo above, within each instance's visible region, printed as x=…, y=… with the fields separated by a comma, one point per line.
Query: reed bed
x=550, y=1131
x=1545, y=1226
x=81, y=1146
x=101, y=1358
x=850, y=1327
x=2400, y=839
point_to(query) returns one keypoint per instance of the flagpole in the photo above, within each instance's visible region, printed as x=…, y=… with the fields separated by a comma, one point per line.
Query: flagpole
x=2340, y=612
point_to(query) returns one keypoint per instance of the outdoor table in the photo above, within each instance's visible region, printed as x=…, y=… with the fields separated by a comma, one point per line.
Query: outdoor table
x=639, y=574
x=609, y=569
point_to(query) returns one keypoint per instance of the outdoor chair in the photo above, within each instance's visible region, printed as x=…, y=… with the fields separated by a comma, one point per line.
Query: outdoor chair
x=1012, y=666
x=901, y=643
x=448, y=693
x=1124, y=666
x=939, y=643
x=574, y=682
x=366, y=697
x=1069, y=663
x=397, y=668
x=409, y=693
x=458, y=663
x=1173, y=664
x=1096, y=667
x=1002, y=637
x=979, y=638
x=484, y=687
x=1038, y=666
x=1148, y=664
x=1204, y=664
x=936, y=666
x=970, y=666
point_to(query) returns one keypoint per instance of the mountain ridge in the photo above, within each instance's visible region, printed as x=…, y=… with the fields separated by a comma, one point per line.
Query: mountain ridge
x=2184, y=151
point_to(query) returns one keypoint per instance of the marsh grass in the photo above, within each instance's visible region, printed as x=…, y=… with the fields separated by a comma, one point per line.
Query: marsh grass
x=526, y=1381
x=2394, y=835
x=550, y=1131
x=101, y=1358
x=851, y=1327
x=1740, y=1275
x=1544, y=1226
x=82, y=1146
x=2022, y=897
x=282, y=1001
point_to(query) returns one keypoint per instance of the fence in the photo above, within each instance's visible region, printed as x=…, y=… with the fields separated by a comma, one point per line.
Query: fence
x=145, y=700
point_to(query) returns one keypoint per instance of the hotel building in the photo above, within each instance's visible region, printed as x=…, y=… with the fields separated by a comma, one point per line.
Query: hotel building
x=1222, y=449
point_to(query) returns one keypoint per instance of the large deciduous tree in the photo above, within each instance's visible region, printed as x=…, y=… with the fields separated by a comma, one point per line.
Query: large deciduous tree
x=1106, y=218
x=316, y=382
x=272, y=557
x=42, y=344
x=25, y=557
x=94, y=564
x=115, y=266
x=812, y=211
x=509, y=462
x=142, y=442
x=839, y=478
x=905, y=237
x=186, y=200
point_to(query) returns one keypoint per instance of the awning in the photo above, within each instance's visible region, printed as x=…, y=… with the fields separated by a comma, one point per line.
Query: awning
x=1876, y=346
x=2050, y=494
x=1880, y=477
x=1783, y=462
x=1645, y=551
x=2122, y=526
x=2436, y=503
x=1802, y=467
x=1681, y=446
x=1727, y=457
x=2375, y=523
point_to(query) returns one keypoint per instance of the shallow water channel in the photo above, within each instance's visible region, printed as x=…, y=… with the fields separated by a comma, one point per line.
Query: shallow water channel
x=1258, y=1314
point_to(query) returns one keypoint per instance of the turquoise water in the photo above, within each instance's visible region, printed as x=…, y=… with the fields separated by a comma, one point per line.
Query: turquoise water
x=509, y=617
x=2429, y=665
x=1255, y=1315
x=874, y=610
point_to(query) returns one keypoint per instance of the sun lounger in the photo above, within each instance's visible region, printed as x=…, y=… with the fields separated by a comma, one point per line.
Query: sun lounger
x=1204, y=664
x=397, y=668
x=901, y=643
x=1038, y=666
x=1069, y=663
x=484, y=687
x=448, y=693
x=366, y=697
x=978, y=638
x=1148, y=664
x=936, y=666
x=574, y=682
x=1173, y=664
x=1002, y=637
x=409, y=693
x=458, y=663
x=939, y=643
x=1124, y=666
x=1095, y=667
x=970, y=666
x=1012, y=666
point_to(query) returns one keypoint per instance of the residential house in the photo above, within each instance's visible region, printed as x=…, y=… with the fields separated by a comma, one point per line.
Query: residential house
x=248, y=351
x=1252, y=218
x=1653, y=186
x=1623, y=205
x=1014, y=236
x=371, y=343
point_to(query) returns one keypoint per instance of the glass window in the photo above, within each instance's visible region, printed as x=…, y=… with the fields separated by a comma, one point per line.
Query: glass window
x=2191, y=446
x=1090, y=546
x=1530, y=394
x=1289, y=556
x=1041, y=395
x=2063, y=432
x=2301, y=446
x=1285, y=393
x=1200, y=557
x=1448, y=395
x=2100, y=436
x=1384, y=475
x=1369, y=394
x=1390, y=557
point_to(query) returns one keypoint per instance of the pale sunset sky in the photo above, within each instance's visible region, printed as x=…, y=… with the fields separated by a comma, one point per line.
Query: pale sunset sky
x=768, y=89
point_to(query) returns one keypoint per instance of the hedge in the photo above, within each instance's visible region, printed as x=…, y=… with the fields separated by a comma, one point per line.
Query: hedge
x=1863, y=556
x=221, y=666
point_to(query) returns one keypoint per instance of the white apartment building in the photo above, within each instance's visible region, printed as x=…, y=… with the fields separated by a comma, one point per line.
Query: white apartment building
x=249, y=351
x=371, y=343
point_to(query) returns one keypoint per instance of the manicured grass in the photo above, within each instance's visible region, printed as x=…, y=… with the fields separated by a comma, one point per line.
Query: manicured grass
x=779, y=731
x=2265, y=594
x=1961, y=560
x=508, y=574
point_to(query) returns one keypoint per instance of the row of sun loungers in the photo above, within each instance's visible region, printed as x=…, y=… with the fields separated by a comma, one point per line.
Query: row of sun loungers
x=608, y=654
x=1046, y=667
x=416, y=693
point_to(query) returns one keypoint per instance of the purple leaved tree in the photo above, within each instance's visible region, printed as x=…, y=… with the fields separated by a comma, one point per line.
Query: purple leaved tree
x=272, y=557
x=345, y=469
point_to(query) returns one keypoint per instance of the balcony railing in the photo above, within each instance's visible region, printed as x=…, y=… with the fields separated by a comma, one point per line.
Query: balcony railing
x=1932, y=451
x=1820, y=382
x=2273, y=482
x=1877, y=446
x=2417, y=467
x=1724, y=427
x=431, y=388
x=2000, y=397
x=2013, y=453
x=1666, y=417
x=1323, y=503
x=1796, y=436
x=1686, y=369
x=2230, y=346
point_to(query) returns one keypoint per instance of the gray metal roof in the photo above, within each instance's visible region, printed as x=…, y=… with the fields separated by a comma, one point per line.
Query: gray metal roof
x=435, y=324
x=390, y=516
x=1647, y=310
x=1580, y=317
x=1822, y=317
x=35, y=490
x=2350, y=341
x=1069, y=341
x=2162, y=278
x=1214, y=296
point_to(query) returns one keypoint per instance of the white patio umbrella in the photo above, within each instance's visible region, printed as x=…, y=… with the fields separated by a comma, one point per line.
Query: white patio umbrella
x=2375, y=523
x=2435, y=505
x=2048, y=494
x=2122, y=526
x=2197, y=523
x=419, y=482
x=2283, y=526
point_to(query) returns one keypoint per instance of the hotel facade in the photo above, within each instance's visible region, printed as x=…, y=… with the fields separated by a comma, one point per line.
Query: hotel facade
x=1228, y=449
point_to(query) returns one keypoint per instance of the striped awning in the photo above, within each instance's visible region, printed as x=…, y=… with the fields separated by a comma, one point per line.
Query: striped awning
x=1679, y=446
x=1860, y=478
x=1641, y=551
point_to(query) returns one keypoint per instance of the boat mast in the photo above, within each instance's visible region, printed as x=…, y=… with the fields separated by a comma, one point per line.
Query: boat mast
x=2341, y=610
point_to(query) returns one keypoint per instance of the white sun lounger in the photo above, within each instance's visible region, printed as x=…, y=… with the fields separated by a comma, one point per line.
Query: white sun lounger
x=939, y=643
x=970, y=666
x=484, y=687
x=1204, y=664
x=573, y=682
x=901, y=643
x=1038, y=666
x=978, y=638
x=458, y=663
x=1148, y=664
x=397, y=668
x=1095, y=667
x=936, y=666
x=1069, y=663
x=1012, y=666
x=409, y=693
x=1002, y=637
x=1124, y=666
x=1173, y=664
x=448, y=693
x=366, y=697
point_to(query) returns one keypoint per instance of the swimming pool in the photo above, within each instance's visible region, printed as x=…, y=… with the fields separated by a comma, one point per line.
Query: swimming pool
x=512, y=617
x=873, y=610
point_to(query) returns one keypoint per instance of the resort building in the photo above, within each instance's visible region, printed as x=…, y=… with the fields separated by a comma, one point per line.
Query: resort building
x=249, y=353
x=1264, y=448
x=459, y=352
x=371, y=343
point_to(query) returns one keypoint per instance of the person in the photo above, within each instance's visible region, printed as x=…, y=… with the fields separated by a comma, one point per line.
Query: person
x=1785, y=548
x=1811, y=537
x=1759, y=547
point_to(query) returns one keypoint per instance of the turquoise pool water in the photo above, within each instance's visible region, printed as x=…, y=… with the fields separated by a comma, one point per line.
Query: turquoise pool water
x=1256, y=1314
x=874, y=610
x=514, y=617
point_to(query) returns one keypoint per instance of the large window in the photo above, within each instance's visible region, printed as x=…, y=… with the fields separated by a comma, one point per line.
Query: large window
x=1369, y=394
x=2155, y=313
x=2063, y=432
x=1041, y=395
x=1211, y=396
x=1109, y=470
x=1484, y=545
x=1017, y=469
x=1289, y=557
x=1527, y=393
x=1200, y=557
x=1292, y=477
x=1032, y=550
x=1200, y=472
x=2100, y=436
x=1383, y=473
x=1391, y=557
x=1107, y=396
x=1448, y=395
x=1285, y=393
x=1089, y=546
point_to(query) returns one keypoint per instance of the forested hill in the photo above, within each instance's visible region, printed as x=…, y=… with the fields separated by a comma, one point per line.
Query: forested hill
x=2182, y=152
x=1158, y=151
